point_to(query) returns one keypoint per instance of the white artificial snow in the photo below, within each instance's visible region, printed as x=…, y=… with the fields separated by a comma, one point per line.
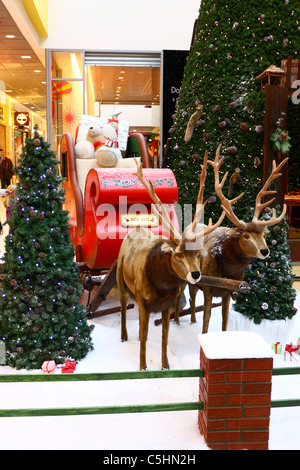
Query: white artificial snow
x=172, y=431
x=234, y=345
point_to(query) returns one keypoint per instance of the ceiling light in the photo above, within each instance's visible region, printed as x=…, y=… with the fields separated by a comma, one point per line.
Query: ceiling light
x=26, y=56
x=8, y=91
x=37, y=71
x=10, y=36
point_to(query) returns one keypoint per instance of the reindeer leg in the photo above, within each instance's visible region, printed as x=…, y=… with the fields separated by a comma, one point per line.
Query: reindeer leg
x=193, y=293
x=165, y=334
x=225, y=311
x=144, y=316
x=177, y=306
x=123, y=302
x=207, y=309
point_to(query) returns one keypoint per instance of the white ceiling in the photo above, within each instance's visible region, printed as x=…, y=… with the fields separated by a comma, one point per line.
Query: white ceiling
x=19, y=74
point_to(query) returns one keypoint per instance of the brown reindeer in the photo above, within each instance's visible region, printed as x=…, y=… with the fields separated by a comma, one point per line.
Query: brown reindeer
x=155, y=270
x=230, y=250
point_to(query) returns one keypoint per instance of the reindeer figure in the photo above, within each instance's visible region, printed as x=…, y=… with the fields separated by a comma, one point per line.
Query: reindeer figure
x=155, y=270
x=230, y=250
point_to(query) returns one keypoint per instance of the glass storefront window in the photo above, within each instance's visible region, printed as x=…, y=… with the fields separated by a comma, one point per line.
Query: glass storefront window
x=67, y=88
x=67, y=64
x=105, y=85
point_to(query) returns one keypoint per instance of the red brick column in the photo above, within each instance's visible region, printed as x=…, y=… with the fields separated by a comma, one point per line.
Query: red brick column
x=235, y=391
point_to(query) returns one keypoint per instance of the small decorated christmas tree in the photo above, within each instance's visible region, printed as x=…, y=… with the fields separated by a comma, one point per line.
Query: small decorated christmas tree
x=272, y=294
x=41, y=317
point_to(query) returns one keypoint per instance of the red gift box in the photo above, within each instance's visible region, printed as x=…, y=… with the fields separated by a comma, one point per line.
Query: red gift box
x=68, y=367
x=290, y=348
x=49, y=366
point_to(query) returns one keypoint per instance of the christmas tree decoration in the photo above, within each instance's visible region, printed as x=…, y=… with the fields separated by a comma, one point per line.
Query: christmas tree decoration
x=272, y=294
x=40, y=290
x=235, y=41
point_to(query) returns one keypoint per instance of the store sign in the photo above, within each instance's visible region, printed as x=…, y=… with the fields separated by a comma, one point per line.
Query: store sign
x=2, y=114
x=173, y=69
x=22, y=119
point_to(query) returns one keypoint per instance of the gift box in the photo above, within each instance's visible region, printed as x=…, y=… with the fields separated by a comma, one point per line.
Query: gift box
x=289, y=349
x=277, y=347
x=68, y=367
x=49, y=367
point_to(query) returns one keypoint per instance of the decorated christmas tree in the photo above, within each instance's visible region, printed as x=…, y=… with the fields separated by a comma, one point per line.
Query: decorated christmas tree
x=235, y=41
x=41, y=317
x=272, y=294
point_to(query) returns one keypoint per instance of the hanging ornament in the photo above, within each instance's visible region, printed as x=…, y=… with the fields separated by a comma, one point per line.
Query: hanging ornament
x=265, y=306
x=231, y=149
x=257, y=162
x=193, y=121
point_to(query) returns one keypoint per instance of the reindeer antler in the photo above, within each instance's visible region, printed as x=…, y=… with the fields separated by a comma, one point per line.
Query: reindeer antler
x=200, y=206
x=161, y=211
x=264, y=192
x=226, y=203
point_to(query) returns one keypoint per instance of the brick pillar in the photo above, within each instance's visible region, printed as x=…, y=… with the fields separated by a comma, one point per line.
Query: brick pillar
x=235, y=390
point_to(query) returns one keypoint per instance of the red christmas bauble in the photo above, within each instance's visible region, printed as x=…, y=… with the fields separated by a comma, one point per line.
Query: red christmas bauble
x=283, y=135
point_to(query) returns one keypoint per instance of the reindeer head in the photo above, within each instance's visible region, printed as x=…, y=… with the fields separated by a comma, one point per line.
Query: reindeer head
x=184, y=249
x=252, y=235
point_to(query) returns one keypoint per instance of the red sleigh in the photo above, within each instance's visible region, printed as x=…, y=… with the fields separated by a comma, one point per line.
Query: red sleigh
x=103, y=205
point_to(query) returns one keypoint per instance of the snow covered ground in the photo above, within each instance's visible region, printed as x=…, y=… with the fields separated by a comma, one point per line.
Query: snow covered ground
x=140, y=431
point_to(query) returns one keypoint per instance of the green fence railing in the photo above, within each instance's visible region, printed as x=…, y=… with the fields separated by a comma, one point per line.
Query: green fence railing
x=136, y=375
x=102, y=409
x=285, y=402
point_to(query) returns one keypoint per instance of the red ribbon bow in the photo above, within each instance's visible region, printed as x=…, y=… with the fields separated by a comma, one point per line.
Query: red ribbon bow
x=290, y=348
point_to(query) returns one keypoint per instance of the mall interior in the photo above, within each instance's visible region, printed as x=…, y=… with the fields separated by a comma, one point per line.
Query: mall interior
x=59, y=63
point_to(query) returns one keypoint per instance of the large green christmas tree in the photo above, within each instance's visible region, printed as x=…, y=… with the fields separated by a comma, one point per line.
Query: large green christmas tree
x=41, y=317
x=235, y=41
x=272, y=294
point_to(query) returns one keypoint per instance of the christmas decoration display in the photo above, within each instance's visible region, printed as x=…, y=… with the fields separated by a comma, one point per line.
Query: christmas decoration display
x=281, y=142
x=41, y=318
x=272, y=295
x=234, y=42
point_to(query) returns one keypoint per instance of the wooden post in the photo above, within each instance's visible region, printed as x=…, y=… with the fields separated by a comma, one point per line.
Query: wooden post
x=275, y=104
x=235, y=390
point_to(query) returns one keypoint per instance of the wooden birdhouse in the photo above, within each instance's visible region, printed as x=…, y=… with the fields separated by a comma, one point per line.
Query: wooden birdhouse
x=271, y=76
